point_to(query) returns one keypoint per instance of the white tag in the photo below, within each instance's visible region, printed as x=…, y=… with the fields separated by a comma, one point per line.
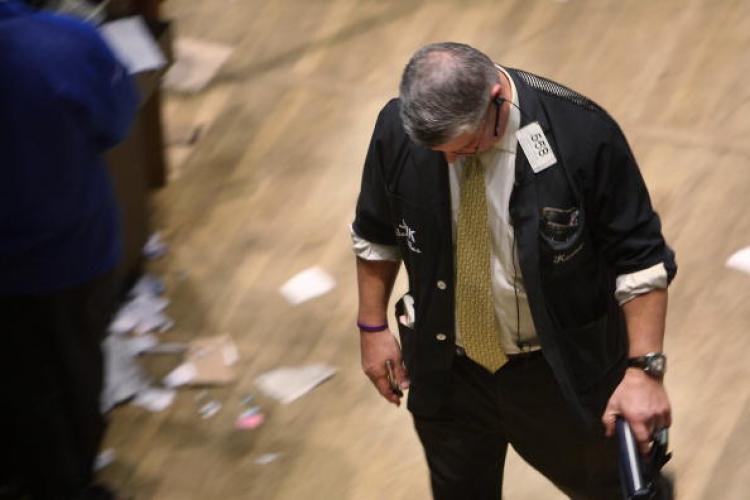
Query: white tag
x=536, y=147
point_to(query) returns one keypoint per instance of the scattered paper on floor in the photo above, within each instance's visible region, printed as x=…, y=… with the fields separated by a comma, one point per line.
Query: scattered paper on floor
x=287, y=384
x=142, y=314
x=740, y=261
x=104, y=459
x=208, y=361
x=209, y=409
x=196, y=63
x=155, y=246
x=154, y=399
x=148, y=284
x=267, y=458
x=123, y=375
x=306, y=285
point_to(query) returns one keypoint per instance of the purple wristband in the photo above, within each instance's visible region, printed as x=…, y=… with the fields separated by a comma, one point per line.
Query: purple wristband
x=372, y=328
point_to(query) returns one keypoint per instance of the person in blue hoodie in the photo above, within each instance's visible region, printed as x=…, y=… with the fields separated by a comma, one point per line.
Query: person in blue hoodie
x=64, y=101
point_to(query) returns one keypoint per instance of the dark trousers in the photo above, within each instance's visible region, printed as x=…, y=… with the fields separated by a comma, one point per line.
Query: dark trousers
x=521, y=405
x=50, y=383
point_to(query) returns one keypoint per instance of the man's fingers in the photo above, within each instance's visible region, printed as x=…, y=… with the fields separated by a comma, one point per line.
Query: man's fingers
x=643, y=434
x=384, y=388
x=402, y=378
x=608, y=420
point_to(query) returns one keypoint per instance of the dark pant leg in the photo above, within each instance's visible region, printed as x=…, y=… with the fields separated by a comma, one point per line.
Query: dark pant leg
x=81, y=318
x=465, y=450
x=55, y=377
x=543, y=430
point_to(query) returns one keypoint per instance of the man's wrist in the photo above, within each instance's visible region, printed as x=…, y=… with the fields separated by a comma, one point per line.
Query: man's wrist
x=653, y=364
x=372, y=327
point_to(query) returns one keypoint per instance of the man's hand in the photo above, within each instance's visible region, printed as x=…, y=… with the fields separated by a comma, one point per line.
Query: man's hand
x=642, y=401
x=377, y=348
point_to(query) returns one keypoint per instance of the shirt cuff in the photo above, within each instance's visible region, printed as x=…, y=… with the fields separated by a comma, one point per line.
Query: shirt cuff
x=368, y=250
x=629, y=286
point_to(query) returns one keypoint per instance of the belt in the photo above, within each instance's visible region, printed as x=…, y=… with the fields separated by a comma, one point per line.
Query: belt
x=511, y=357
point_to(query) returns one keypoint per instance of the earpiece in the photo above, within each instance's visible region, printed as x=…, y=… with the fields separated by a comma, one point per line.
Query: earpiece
x=499, y=100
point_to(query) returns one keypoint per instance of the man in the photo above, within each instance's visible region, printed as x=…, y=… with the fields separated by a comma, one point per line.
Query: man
x=537, y=276
x=64, y=100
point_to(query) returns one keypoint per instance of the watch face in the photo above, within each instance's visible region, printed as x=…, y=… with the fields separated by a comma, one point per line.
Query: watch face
x=657, y=364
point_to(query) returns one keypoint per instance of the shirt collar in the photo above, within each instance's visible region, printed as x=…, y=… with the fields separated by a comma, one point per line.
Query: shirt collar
x=508, y=141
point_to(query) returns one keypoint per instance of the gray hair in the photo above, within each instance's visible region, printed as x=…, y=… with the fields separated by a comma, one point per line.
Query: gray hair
x=444, y=92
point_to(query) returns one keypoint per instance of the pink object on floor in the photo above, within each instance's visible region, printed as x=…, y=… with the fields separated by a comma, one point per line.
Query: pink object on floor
x=250, y=421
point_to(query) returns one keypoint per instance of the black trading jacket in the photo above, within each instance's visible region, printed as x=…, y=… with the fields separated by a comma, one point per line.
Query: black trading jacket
x=579, y=224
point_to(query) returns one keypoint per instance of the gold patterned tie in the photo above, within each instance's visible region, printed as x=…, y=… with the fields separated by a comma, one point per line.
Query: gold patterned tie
x=480, y=332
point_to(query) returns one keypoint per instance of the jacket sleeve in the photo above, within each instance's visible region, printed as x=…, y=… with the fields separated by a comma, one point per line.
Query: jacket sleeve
x=373, y=217
x=626, y=227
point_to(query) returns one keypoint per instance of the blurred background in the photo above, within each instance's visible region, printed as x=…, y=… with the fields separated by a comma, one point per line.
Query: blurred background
x=246, y=159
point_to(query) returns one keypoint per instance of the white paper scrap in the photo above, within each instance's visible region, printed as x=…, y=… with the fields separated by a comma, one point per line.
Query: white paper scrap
x=209, y=409
x=306, y=285
x=148, y=284
x=133, y=44
x=267, y=458
x=104, y=459
x=287, y=384
x=740, y=261
x=139, y=345
x=183, y=374
x=167, y=348
x=142, y=314
x=123, y=375
x=154, y=399
x=155, y=247
x=197, y=62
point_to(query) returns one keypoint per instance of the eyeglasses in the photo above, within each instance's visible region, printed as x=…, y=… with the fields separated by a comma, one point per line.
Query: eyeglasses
x=471, y=147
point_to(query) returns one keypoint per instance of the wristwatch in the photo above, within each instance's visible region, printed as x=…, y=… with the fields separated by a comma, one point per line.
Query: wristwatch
x=653, y=363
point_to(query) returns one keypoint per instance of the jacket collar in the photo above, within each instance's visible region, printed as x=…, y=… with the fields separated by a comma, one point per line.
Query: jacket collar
x=528, y=101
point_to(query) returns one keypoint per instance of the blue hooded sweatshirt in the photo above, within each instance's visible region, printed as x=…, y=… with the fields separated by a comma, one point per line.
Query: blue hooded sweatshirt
x=64, y=100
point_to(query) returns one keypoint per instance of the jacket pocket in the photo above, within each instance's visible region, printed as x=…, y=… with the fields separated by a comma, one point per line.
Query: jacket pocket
x=565, y=245
x=589, y=352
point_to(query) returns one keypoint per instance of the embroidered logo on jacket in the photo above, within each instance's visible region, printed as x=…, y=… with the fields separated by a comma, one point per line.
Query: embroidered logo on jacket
x=404, y=231
x=562, y=258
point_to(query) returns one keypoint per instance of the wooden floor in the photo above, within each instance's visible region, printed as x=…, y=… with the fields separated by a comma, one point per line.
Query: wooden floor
x=270, y=187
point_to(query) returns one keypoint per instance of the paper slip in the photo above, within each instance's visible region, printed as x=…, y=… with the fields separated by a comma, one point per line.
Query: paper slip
x=536, y=147
x=288, y=384
x=139, y=345
x=148, y=284
x=197, y=62
x=209, y=409
x=154, y=399
x=141, y=314
x=267, y=458
x=131, y=41
x=182, y=375
x=167, y=348
x=740, y=260
x=123, y=375
x=104, y=459
x=155, y=247
x=306, y=285
x=209, y=361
